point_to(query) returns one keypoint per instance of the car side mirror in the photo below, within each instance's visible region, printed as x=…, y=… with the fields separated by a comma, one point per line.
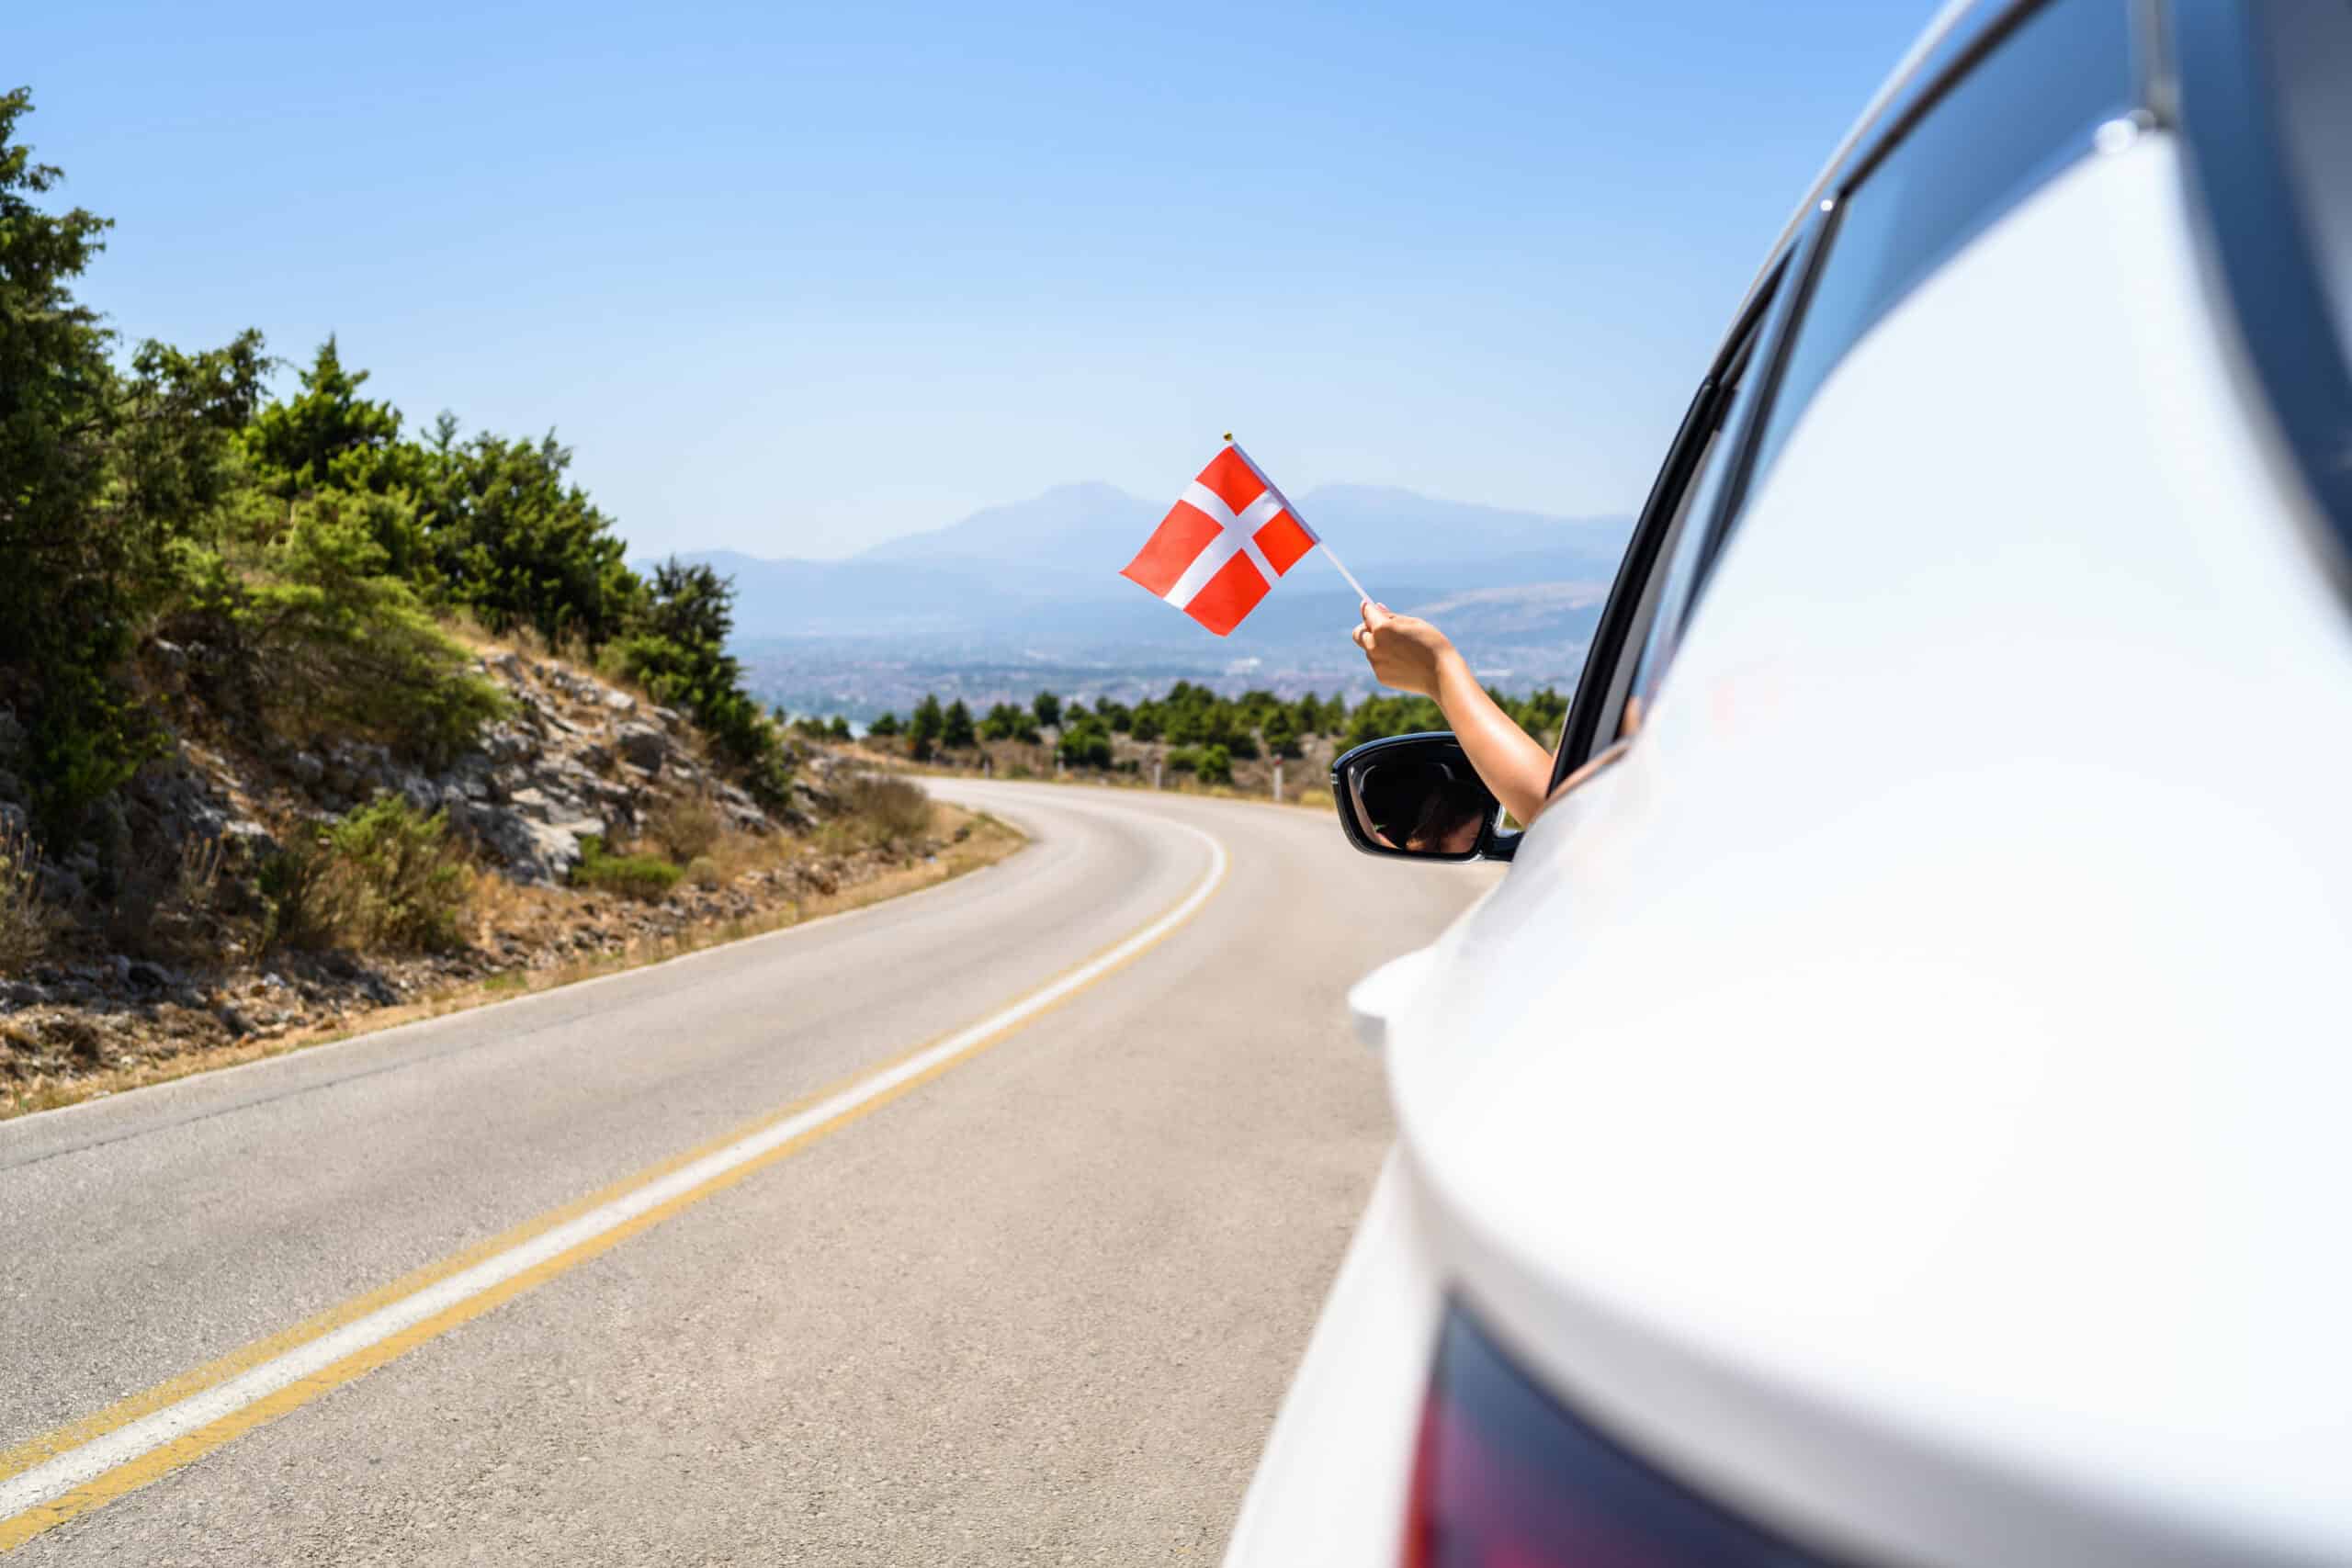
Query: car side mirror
x=1419, y=797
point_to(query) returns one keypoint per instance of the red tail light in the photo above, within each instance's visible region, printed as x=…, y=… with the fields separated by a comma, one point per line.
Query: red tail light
x=1507, y=1478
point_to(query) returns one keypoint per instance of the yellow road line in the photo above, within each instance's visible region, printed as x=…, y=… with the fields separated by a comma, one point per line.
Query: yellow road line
x=57, y=1447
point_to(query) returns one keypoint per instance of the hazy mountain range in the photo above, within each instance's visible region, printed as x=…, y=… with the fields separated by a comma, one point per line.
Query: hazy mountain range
x=1044, y=572
x=1034, y=587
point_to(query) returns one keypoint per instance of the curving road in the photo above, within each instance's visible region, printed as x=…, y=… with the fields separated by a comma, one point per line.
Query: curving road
x=657, y=1268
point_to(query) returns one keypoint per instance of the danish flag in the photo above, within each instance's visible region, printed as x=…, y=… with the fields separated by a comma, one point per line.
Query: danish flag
x=1222, y=544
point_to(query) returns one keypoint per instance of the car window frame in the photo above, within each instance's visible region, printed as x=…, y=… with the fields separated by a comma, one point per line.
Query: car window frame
x=1617, y=640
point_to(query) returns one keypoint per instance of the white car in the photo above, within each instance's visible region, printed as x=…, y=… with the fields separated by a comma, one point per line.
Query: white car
x=1897, y=1106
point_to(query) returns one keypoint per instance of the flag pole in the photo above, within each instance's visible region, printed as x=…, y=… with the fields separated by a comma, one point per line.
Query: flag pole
x=1328, y=554
x=1345, y=572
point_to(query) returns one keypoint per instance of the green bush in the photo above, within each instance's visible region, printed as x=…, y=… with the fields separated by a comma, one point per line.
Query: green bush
x=1281, y=732
x=331, y=641
x=1086, y=744
x=643, y=876
x=105, y=468
x=518, y=544
x=411, y=886
x=676, y=649
x=1005, y=722
x=1216, y=766
x=308, y=897
x=384, y=876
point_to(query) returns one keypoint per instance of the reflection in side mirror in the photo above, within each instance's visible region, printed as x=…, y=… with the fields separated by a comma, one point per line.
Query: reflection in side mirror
x=1417, y=797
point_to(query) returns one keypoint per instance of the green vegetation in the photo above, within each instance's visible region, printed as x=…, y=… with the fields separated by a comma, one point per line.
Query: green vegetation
x=308, y=548
x=1198, y=725
x=384, y=876
x=1005, y=722
x=410, y=885
x=646, y=877
x=955, y=727
x=1085, y=743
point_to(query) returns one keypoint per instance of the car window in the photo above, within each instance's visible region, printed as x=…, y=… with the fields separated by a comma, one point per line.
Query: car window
x=2007, y=124
x=1595, y=718
x=1664, y=622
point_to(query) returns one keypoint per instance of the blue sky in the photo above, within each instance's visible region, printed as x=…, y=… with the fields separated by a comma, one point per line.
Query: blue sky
x=793, y=280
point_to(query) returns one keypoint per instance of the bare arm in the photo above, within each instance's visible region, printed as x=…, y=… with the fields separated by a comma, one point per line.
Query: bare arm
x=1412, y=655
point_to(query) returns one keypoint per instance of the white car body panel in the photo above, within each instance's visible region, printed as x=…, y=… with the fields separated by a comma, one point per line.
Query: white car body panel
x=1906, y=1096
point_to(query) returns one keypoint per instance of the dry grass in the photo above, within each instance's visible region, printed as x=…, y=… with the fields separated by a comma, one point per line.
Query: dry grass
x=684, y=828
x=987, y=841
x=26, y=923
x=885, y=810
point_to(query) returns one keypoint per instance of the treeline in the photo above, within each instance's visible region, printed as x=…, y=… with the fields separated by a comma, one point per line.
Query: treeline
x=309, y=551
x=1205, y=732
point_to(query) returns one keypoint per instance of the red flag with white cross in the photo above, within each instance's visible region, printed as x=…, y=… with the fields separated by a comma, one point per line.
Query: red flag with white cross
x=1220, y=548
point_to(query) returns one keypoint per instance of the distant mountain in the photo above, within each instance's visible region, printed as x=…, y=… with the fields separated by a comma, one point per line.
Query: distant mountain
x=1043, y=574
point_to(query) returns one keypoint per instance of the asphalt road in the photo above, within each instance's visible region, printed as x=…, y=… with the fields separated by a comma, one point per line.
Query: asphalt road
x=1035, y=1305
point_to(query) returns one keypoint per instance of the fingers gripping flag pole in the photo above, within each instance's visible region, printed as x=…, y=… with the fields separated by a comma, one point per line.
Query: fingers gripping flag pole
x=1231, y=532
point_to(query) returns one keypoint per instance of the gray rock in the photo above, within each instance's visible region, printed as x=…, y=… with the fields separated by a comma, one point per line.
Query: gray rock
x=149, y=977
x=308, y=771
x=642, y=744
x=619, y=701
x=502, y=742
x=535, y=852
x=505, y=665
x=531, y=801
x=62, y=886
x=420, y=792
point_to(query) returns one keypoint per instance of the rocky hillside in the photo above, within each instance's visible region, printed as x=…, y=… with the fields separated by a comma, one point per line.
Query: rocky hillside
x=586, y=827
x=280, y=742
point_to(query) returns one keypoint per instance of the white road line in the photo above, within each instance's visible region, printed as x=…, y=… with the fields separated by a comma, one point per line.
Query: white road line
x=46, y=1482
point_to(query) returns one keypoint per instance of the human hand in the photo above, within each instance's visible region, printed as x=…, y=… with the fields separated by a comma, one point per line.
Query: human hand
x=1404, y=651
